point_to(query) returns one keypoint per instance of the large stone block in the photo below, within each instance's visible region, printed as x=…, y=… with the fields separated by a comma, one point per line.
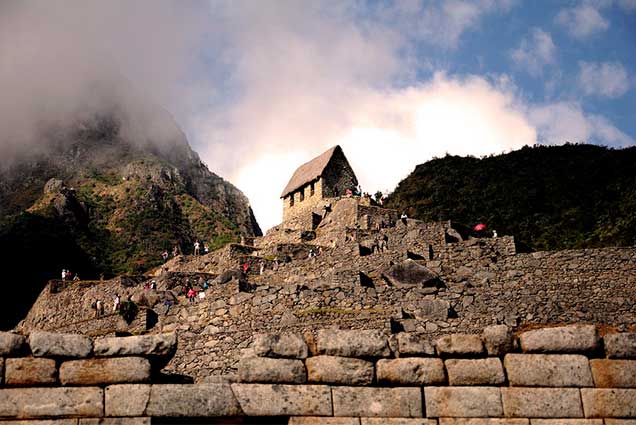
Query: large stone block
x=321, y=420
x=413, y=344
x=432, y=309
x=339, y=370
x=611, y=421
x=284, y=400
x=484, y=421
x=353, y=343
x=126, y=399
x=115, y=421
x=384, y=402
x=459, y=344
x=564, y=421
x=410, y=273
x=620, y=346
x=563, y=339
x=462, y=402
x=497, y=340
x=30, y=371
x=25, y=403
x=287, y=345
x=475, y=371
x=11, y=344
x=399, y=421
x=49, y=344
x=68, y=421
x=548, y=370
x=277, y=371
x=609, y=403
x=411, y=371
x=193, y=400
x=542, y=402
x=614, y=373
x=158, y=345
x=116, y=370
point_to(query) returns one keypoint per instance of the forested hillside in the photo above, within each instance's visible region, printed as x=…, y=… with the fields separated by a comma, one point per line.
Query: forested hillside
x=548, y=197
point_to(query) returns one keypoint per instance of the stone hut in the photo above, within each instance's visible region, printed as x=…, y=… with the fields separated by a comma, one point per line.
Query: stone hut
x=329, y=175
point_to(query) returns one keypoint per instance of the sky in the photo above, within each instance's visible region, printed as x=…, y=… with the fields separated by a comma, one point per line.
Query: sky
x=260, y=87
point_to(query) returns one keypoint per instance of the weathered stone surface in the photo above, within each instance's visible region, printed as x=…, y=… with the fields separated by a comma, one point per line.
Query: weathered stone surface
x=411, y=371
x=283, y=400
x=339, y=370
x=410, y=273
x=116, y=421
x=11, y=344
x=620, y=346
x=497, y=339
x=49, y=344
x=321, y=420
x=288, y=345
x=614, y=373
x=608, y=403
x=563, y=339
x=42, y=422
x=413, y=344
x=163, y=345
x=30, y=371
x=262, y=369
x=126, y=400
x=463, y=402
x=398, y=421
x=548, y=370
x=542, y=402
x=116, y=370
x=24, y=403
x=194, y=400
x=484, y=421
x=563, y=421
x=611, y=421
x=459, y=344
x=432, y=309
x=385, y=402
x=354, y=343
x=475, y=371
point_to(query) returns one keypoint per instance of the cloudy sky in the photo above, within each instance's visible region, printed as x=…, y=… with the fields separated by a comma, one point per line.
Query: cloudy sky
x=260, y=87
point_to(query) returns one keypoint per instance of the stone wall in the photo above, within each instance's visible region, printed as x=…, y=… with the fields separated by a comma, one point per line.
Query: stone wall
x=550, y=376
x=304, y=203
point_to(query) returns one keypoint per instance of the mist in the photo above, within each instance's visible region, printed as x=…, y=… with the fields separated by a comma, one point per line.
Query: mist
x=63, y=64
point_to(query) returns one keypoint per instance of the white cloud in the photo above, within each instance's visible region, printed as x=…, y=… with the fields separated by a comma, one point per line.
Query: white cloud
x=534, y=52
x=607, y=79
x=582, y=21
x=563, y=122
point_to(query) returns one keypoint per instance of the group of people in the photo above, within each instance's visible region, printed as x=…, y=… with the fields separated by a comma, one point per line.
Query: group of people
x=198, y=248
x=98, y=305
x=68, y=275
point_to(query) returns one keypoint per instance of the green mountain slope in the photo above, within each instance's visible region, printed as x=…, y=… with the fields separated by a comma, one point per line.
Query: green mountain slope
x=548, y=197
x=97, y=202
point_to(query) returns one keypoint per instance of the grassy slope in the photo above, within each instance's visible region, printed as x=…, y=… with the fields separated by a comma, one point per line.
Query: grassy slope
x=549, y=198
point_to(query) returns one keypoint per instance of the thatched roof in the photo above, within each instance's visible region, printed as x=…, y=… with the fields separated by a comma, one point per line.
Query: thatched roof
x=309, y=171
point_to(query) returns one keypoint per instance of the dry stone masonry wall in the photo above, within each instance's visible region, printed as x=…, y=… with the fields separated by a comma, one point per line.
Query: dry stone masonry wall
x=549, y=376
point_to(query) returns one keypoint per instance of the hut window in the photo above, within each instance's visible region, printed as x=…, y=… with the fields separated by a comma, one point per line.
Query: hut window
x=291, y=200
x=302, y=194
x=311, y=189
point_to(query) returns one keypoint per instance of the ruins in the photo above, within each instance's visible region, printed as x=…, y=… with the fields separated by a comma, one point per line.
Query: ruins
x=340, y=262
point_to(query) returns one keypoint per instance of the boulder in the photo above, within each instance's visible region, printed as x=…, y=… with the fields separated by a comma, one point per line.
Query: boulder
x=158, y=348
x=289, y=345
x=410, y=273
x=497, y=339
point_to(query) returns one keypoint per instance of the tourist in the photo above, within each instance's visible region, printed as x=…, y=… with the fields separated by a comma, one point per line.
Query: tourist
x=63, y=274
x=192, y=295
x=116, y=303
x=165, y=256
x=196, y=247
x=246, y=267
x=175, y=251
x=404, y=217
x=261, y=267
x=76, y=278
x=99, y=308
x=242, y=240
x=206, y=248
x=153, y=284
x=494, y=233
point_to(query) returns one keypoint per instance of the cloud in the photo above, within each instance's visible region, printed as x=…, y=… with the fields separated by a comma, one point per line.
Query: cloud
x=563, y=122
x=606, y=79
x=582, y=21
x=534, y=52
x=59, y=65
